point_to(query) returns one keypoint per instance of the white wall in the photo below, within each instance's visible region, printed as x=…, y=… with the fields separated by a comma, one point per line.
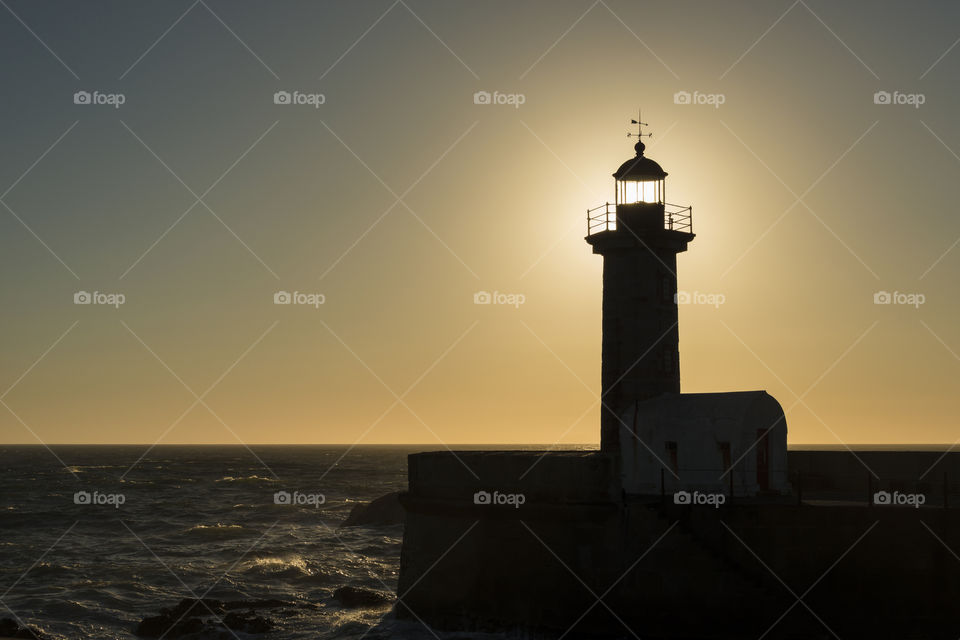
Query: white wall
x=699, y=423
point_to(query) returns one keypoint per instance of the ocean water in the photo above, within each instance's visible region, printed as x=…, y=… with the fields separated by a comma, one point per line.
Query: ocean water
x=185, y=522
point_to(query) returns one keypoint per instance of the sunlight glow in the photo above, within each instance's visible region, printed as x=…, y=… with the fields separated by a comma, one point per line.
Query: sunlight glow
x=632, y=192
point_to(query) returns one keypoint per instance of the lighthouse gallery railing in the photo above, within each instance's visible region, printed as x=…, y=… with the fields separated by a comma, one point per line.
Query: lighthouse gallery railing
x=604, y=218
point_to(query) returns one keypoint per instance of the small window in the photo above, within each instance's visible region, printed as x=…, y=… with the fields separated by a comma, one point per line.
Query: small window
x=725, y=455
x=667, y=360
x=667, y=289
x=672, y=459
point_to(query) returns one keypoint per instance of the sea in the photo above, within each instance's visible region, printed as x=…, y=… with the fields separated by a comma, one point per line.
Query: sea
x=95, y=538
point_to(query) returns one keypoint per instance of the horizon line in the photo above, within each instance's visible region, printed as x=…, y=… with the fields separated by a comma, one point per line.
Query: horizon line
x=442, y=445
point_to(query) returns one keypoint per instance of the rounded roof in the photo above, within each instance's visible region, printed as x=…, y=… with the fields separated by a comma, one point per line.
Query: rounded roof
x=640, y=168
x=704, y=409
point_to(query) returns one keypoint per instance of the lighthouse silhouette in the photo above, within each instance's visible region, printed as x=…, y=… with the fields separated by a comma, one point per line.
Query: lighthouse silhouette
x=639, y=236
x=595, y=511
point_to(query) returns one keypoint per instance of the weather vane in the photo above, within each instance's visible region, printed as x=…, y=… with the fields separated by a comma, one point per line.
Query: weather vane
x=640, y=125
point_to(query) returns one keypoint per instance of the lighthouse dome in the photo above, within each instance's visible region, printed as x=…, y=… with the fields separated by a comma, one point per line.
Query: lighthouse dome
x=640, y=168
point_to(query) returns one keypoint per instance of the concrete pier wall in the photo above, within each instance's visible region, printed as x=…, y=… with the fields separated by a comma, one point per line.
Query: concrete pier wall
x=850, y=472
x=663, y=570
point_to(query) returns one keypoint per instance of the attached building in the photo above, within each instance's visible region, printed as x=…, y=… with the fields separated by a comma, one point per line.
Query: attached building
x=704, y=442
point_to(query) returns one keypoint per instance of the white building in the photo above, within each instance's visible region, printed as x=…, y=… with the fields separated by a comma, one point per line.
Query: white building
x=691, y=442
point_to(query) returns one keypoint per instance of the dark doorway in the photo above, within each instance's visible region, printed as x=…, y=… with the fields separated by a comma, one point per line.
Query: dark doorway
x=763, y=460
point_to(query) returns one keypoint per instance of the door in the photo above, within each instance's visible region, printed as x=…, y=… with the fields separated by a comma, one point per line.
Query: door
x=763, y=460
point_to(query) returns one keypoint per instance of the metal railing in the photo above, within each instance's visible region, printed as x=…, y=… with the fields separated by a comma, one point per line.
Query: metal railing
x=604, y=218
x=677, y=218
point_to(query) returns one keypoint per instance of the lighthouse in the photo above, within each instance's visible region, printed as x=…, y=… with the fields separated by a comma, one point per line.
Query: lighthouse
x=639, y=236
x=663, y=454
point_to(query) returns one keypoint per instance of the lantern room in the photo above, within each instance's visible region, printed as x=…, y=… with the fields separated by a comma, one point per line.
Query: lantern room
x=639, y=180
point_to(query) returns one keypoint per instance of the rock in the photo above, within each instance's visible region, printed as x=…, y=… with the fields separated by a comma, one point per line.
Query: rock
x=359, y=597
x=195, y=607
x=247, y=622
x=269, y=603
x=205, y=618
x=10, y=629
x=385, y=510
x=169, y=626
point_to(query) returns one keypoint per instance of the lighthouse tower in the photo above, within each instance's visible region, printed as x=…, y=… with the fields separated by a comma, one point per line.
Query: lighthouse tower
x=639, y=236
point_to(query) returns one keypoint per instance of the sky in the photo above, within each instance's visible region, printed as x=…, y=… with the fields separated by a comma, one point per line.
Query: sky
x=183, y=163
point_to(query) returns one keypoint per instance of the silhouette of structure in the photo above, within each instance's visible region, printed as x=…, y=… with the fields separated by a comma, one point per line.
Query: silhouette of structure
x=616, y=542
x=639, y=237
x=645, y=422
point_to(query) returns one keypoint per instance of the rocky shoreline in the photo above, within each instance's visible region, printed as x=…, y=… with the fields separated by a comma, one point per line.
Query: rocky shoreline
x=212, y=619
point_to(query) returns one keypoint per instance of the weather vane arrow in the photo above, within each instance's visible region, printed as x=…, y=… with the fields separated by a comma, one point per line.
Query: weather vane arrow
x=640, y=125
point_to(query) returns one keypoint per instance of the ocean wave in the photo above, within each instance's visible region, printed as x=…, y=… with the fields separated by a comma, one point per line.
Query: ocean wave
x=221, y=531
x=74, y=609
x=289, y=566
x=44, y=568
x=177, y=501
x=251, y=479
x=80, y=468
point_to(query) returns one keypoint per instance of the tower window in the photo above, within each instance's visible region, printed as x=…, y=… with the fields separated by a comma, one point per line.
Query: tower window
x=649, y=190
x=672, y=459
x=725, y=455
x=666, y=289
x=667, y=361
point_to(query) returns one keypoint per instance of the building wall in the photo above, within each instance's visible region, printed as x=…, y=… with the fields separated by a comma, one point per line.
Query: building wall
x=676, y=442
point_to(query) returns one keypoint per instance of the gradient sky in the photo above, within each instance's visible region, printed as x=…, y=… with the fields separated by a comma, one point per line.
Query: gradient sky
x=808, y=198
